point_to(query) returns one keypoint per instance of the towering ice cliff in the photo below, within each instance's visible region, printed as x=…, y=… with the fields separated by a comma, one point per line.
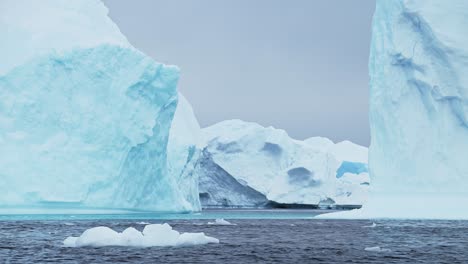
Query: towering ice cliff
x=85, y=118
x=183, y=151
x=268, y=165
x=418, y=66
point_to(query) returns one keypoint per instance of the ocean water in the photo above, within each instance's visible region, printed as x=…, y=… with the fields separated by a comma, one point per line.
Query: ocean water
x=273, y=236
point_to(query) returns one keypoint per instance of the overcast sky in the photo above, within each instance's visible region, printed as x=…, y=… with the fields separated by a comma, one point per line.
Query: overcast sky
x=299, y=65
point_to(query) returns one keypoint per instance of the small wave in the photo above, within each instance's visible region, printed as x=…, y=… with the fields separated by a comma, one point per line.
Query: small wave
x=377, y=249
x=371, y=226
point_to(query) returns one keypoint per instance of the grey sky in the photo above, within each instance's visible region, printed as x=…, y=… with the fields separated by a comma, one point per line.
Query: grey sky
x=298, y=65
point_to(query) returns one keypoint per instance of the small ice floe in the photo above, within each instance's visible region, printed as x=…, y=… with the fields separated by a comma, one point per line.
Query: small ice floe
x=371, y=226
x=143, y=223
x=377, y=249
x=69, y=224
x=155, y=235
x=220, y=221
x=292, y=225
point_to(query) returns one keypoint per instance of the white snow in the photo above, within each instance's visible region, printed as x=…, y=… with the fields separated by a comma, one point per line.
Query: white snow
x=220, y=221
x=155, y=235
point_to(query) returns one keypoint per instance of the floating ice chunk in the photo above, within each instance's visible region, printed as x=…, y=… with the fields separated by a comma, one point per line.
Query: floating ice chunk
x=377, y=249
x=70, y=242
x=155, y=235
x=220, y=221
x=371, y=226
x=143, y=223
x=192, y=239
x=98, y=237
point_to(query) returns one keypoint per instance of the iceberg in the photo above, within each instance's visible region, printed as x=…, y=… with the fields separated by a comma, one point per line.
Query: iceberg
x=155, y=235
x=253, y=165
x=85, y=118
x=418, y=111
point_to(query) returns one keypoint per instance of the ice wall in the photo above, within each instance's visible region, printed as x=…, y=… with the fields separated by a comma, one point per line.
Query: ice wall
x=418, y=110
x=85, y=118
x=183, y=151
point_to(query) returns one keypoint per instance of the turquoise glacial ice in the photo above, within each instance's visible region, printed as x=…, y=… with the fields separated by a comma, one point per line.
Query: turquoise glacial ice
x=85, y=118
x=418, y=111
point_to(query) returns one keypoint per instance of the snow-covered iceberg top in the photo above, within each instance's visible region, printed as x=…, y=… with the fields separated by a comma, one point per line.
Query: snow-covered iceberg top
x=33, y=28
x=287, y=170
x=155, y=235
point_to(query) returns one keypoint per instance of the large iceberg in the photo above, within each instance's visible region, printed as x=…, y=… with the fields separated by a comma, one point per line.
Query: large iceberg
x=85, y=118
x=418, y=111
x=245, y=164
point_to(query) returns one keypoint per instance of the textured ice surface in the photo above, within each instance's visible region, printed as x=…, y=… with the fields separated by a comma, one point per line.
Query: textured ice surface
x=32, y=28
x=418, y=111
x=219, y=189
x=85, y=118
x=183, y=151
x=155, y=235
x=283, y=169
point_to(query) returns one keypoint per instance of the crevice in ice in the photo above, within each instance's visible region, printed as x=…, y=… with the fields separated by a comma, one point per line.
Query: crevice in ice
x=272, y=149
x=230, y=148
x=434, y=49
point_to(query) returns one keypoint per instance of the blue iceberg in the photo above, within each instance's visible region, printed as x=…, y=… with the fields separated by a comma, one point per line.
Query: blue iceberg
x=85, y=118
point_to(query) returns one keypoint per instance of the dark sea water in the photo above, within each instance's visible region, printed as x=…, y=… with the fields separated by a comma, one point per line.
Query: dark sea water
x=289, y=238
